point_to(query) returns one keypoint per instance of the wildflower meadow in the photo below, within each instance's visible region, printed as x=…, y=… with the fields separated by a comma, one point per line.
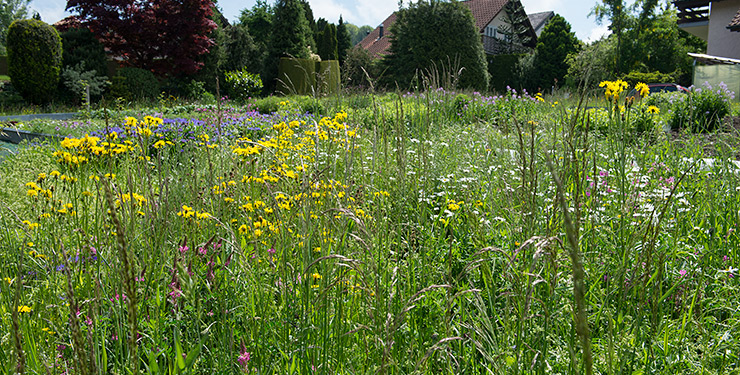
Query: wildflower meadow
x=430, y=232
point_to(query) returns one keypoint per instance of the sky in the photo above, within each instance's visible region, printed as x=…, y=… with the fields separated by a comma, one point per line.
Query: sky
x=373, y=12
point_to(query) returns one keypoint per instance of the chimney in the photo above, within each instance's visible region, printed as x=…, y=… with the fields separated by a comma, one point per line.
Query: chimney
x=380, y=35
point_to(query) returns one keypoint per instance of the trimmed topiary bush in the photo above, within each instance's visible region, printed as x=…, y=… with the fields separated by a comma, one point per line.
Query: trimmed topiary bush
x=135, y=83
x=34, y=59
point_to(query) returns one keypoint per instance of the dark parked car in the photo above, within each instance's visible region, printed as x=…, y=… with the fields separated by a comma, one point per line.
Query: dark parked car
x=662, y=87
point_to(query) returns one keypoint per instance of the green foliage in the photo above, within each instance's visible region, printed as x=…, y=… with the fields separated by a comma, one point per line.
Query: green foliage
x=418, y=45
x=242, y=85
x=359, y=68
x=80, y=46
x=358, y=33
x=11, y=10
x=650, y=77
x=702, y=110
x=327, y=47
x=77, y=79
x=258, y=22
x=593, y=64
x=34, y=59
x=645, y=39
x=134, y=83
x=553, y=47
x=312, y=27
x=343, y=41
x=9, y=96
x=241, y=50
x=290, y=36
x=504, y=71
x=214, y=59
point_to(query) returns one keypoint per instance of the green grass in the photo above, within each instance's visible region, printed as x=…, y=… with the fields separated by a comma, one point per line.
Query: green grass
x=417, y=233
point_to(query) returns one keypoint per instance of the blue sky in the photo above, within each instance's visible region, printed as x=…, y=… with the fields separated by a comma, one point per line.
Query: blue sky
x=373, y=12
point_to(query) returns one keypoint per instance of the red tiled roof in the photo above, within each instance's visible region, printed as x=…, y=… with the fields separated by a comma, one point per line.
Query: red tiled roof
x=483, y=12
x=379, y=46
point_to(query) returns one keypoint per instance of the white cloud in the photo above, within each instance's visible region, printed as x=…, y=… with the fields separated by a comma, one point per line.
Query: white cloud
x=374, y=12
x=330, y=10
x=597, y=32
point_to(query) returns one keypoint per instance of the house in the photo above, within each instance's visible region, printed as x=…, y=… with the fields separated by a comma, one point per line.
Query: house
x=492, y=19
x=717, y=22
x=540, y=20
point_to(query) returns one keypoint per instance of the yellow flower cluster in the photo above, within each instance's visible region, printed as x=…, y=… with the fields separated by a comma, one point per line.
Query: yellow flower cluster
x=642, y=89
x=76, y=151
x=189, y=213
x=613, y=88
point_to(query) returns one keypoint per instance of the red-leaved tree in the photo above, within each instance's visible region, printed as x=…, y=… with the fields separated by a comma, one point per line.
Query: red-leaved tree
x=164, y=36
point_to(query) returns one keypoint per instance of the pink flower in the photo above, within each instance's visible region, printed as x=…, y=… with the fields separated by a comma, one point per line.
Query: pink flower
x=682, y=273
x=244, y=357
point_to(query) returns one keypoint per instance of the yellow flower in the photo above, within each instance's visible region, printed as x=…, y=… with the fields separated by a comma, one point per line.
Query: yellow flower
x=653, y=110
x=8, y=280
x=243, y=229
x=24, y=309
x=642, y=89
x=316, y=276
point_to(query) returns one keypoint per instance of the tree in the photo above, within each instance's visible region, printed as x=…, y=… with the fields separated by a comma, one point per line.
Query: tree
x=258, y=22
x=289, y=38
x=343, y=41
x=241, y=51
x=517, y=26
x=10, y=10
x=312, y=40
x=164, y=36
x=327, y=47
x=616, y=13
x=553, y=47
x=34, y=59
x=417, y=45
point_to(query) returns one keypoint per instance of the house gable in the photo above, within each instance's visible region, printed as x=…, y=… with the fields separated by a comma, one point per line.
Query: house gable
x=488, y=14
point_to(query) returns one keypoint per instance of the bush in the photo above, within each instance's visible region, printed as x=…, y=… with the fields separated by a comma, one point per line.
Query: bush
x=435, y=36
x=651, y=77
x=81, y=47
x=76, y=79
x=135, y=83
x=34, y=59
x=702, y=110
x=503, y=71
x=9, y=95
x=241, y=85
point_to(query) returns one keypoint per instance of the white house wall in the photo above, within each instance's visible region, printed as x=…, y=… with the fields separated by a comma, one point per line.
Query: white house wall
x=723, y=42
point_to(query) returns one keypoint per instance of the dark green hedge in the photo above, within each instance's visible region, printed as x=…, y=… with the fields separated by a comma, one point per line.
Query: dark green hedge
x=303, y=76
x=503, y=71
x=34, y=59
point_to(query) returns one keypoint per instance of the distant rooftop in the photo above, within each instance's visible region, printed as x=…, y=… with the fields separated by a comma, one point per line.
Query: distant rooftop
x=539, y=20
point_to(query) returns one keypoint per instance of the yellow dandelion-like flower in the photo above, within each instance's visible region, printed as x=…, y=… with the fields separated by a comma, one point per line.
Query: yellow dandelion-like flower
x=642, y=89
x=653, y=110
x=24, y=309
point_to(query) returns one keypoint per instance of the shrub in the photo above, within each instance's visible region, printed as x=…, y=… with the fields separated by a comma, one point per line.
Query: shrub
x=703, y=110
x=135, y=83
x=81, y=47
x=76, y=79
x=651, y=77
x=417, y=47
x=34, y=59
x=241, y=85
x=9, y=95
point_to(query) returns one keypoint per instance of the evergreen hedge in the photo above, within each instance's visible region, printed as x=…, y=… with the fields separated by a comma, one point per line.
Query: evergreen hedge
x=34, y=59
